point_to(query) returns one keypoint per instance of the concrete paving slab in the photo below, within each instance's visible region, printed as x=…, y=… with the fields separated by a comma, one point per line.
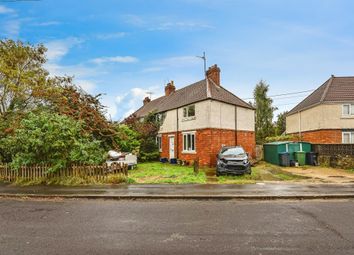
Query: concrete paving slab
x=191, y=191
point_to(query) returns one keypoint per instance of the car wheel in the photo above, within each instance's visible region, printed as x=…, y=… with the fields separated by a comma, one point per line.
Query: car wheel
x=249, y=171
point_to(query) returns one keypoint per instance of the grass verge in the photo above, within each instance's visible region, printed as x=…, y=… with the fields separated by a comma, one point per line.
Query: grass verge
x=74, y=181
x=261, y=172
x=159, y=173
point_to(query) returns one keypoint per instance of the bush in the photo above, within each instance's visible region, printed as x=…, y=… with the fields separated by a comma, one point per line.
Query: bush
x=282, y=138
x=147, y=130
x=127, y=139
x=51, y=139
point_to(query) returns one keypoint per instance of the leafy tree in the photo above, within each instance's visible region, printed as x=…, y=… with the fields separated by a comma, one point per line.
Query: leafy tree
x=147, y=128
x=23, y=80
x=280, y=125
x=127, y=139
x=264, y=112
x=51, y=139
x=26, y=86
x=77, y=104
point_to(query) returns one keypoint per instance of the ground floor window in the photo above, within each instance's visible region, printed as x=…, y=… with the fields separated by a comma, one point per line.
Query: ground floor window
x=189, y=142
x=159, y=142
x=348, y=137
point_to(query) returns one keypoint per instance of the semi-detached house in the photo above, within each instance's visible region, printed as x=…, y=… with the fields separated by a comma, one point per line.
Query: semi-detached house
x=199, y=119
x=327, y=115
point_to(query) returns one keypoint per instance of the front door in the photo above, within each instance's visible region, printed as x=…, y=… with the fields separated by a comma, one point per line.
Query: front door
x=172, y=147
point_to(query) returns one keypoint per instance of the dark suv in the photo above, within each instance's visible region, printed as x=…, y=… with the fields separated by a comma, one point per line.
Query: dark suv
x=232, y=160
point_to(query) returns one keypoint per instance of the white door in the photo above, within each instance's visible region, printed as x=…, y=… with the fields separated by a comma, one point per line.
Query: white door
x=172, y=147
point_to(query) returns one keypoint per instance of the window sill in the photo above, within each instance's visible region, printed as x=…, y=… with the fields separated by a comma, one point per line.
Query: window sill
x=189, y=152
x=189, y=118
x=347, y=117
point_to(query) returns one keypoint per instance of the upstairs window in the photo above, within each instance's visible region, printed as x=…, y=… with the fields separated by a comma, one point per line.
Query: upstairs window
x=189, y=111
x=348, y=110
x=160, y=117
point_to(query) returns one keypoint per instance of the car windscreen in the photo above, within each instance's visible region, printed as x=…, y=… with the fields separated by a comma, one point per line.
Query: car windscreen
x=232, y=152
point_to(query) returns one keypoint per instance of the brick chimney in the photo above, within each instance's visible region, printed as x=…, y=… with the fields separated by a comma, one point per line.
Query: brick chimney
x=146, y=100
x=170, y=88
x=213, y=73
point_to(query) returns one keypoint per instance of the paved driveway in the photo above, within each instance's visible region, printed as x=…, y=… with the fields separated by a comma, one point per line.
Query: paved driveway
x=323, y=174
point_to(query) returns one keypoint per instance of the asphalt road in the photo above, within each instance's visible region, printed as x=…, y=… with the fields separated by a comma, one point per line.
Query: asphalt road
x=176, y=227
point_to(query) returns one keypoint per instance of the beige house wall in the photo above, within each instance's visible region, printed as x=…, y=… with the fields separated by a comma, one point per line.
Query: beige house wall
x=325, y=116
x=210, y=114
x=245, y=119
x=170, y=122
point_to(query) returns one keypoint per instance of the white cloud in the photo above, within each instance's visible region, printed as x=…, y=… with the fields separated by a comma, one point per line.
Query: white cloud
x=119, y=99
x=164, y=23
x=134, y=20
x=179, y=25
x=110, y=36
x=129, y=102
x=152, y=69
x=116, y=59
x=6, y=10
x=46, y=23
x=59, y=48
x=111, y=107
x=179, y=61
x=86, y=85
x=11, y=28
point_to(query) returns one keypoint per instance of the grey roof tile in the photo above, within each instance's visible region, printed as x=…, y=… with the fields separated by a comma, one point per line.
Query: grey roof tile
x=335, y=89
x=191, y=94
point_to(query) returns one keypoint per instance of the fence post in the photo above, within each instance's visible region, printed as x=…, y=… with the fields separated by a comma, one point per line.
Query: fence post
x=196, y=166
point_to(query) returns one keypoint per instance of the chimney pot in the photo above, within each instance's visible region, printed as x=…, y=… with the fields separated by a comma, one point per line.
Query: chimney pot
x=213, y=73
x=170, y=88
x=146, y=100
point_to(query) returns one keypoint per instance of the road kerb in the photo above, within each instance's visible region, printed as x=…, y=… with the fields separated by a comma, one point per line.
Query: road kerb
x=181, y=197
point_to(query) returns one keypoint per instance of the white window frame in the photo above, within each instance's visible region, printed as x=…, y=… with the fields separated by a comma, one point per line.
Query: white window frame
x=189, y=148
x=351, y=137
x=160, y=117
x=159, y=142
x=185, y=112
x=351, y=110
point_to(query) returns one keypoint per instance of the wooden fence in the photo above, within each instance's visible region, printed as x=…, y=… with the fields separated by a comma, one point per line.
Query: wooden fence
x=334, y=149
x=98, y=172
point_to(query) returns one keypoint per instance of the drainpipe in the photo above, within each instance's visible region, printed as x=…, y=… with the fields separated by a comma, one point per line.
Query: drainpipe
x=300, y=125
x=177, y=143
x=235, y=125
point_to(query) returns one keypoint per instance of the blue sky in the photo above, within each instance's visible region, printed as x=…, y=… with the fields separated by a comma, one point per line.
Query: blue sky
x=127, y=48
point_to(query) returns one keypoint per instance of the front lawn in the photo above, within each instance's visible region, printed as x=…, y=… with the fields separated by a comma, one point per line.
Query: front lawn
x=261, y=172
x=156, y=172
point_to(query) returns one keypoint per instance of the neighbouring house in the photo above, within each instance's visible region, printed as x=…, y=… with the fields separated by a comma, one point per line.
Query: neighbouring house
x=199, y=119
x=327, y=115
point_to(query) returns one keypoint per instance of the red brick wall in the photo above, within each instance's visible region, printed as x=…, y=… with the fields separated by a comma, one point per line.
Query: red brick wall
x=247, y=139
x=208, y=143
x=325, y=136
x=166, y=145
